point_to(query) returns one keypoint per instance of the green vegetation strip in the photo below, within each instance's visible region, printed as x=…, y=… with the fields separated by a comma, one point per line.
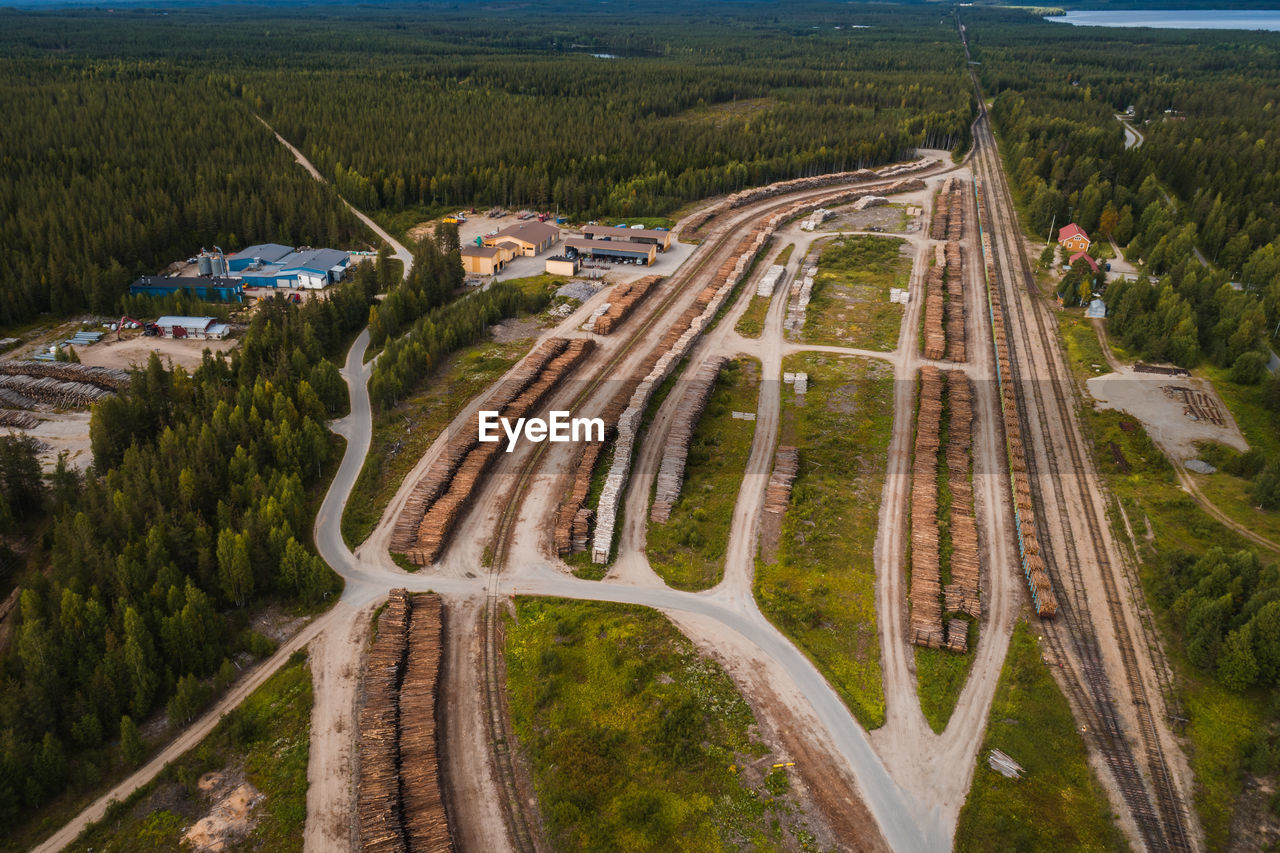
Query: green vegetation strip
x=688, y=551
x=850, y=305
x=636, y=741
x=751, y=323
x=402, y=434
x=266, y=740
x=821, y=590
x=1057, y=804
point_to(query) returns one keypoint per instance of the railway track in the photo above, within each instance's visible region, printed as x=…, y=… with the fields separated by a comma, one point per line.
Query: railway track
x=721, y=239
x=1161, y=819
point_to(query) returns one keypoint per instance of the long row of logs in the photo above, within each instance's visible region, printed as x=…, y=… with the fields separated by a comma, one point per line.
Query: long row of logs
x=755, y=194
x=108, y=378
x=956, y=349
x=20, y=420
x=961, y=594
x=440, y=497
x=935, y=336
x=680, y=337
x=625, y=297
x=676, y=451
x=400, y=807
x=944, y=325
x=1033, y=566
x=926, y=579
x=53, y=392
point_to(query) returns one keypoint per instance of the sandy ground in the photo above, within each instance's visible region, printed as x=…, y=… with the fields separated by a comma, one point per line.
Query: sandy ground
x=135, y=351
x=1141, y=395
x=230, y=819
x=62, y=431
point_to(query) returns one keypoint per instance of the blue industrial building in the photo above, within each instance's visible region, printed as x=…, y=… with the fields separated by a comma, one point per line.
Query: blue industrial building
x=212, y=289
x=263, y=253
x=310, y=268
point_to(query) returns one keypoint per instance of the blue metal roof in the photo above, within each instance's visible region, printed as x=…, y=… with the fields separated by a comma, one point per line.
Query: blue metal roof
x=315, y=260
x=268, y=252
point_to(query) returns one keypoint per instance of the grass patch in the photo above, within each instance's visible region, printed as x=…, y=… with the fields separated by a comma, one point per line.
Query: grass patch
x=751, y=323
x=636, y=742
x=688, y=551
x=401, y=435
x=1256, y=421
x=821, y=590
x=941, y=675
x=850, y=305
x=1057, y=804
x=1084, y=353
x=267, y=738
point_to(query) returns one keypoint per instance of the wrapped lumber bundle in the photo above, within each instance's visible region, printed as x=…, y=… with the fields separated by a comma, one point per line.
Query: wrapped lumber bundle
x=622, y=300
x=426, y=826
x=689, y=410
x=378, y=806
x=438, y=521
x=926, y=582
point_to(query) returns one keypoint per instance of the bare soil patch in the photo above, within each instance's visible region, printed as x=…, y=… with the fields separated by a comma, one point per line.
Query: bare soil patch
x=134, y=352
x=1165, y=415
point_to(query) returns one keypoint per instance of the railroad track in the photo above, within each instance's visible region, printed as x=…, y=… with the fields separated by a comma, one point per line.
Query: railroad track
x=1162, y=825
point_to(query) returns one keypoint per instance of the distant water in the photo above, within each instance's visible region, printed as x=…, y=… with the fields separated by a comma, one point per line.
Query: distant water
x=1176, y=19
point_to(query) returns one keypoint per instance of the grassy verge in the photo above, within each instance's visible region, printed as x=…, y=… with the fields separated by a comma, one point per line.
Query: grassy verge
x=1057, y=804
x=266, y=740
x=636, y=742
x=1084, y=353
x=821, y=589
x=403, y=434
x=751, y=323
x=941, y=675
x=688, y=551
x=850, y=305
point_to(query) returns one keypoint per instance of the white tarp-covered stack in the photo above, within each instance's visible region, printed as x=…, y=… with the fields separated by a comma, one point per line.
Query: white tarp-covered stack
x=676, y=452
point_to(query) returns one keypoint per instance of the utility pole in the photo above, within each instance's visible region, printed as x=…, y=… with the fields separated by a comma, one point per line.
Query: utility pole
x=1049, y=237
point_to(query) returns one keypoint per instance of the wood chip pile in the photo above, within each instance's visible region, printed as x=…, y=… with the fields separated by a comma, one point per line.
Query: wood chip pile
x=439, y=498
x=675, y=453
x=961, y=595
x=622, y=300
x=926, y=581
x=400, y=807
x=1033, y=565
x=786, y=462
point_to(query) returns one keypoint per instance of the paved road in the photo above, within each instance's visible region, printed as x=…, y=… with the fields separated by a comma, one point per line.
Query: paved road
x=1132, y=138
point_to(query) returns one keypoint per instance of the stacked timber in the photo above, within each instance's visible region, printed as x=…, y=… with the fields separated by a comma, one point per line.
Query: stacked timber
x=107, y=378
x=676, y=452
x=438, y=521
x=935, y=337
x=21, y=420
x=926, y=582
x=941, y=211
x=786, y=462
x=573, y=517
x=679, y=338
x=770, y=280
x=956, y=350
x=798, y=304
x=955, y=212
x=961, y=595
x=1033, y=566
x=59, y=393
x=957, y=635
x=622, y=300
x=426, y=826
x=379, y=808
x=14, y=400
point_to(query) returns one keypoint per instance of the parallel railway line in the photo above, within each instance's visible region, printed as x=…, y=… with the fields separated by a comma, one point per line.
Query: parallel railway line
x=1162, y=825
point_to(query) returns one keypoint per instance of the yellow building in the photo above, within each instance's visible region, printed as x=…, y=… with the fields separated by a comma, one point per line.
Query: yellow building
x=484, y=260
x=531, y=238
x=560, y=265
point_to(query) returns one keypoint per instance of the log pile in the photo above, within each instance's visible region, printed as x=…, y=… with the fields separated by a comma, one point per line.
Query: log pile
x=107, y=378
x=381, y=823
x=1033, y=565
x=961, y=595
x=935, y=337
x=425, y=823
x=440, y=497
x=58, y=393
x=786, y=462
x=622, y=300
x=14, y=400
x=941, y=211
x=400, y=807
x=680, y=337
x=573, y=517
x=21, y=420
x=676, y=452
x=798, y=306
x=926, y=582
x=956, y=350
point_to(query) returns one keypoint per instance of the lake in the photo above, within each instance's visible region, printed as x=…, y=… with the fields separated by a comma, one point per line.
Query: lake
x=1176, y=19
